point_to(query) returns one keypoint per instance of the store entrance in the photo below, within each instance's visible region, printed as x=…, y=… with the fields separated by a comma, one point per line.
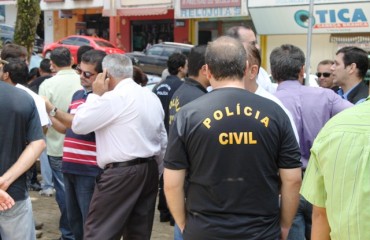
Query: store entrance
x=146, y=33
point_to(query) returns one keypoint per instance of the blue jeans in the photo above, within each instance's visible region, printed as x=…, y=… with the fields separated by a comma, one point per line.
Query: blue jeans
x=45, y=171
x=302, y=223
x=177, y=235
x=17, y=222
x=79, y=191
x=56, y=166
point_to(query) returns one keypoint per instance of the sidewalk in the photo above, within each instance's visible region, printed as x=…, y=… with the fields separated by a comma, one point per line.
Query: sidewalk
x=45, y=210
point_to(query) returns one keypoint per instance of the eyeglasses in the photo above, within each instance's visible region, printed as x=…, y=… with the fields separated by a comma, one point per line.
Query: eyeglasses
x=324, y=74
x=85, y=74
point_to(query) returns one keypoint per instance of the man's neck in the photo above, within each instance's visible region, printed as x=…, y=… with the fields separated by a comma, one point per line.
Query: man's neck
x=63, y=68
x=201, y=81
x=251, y=86
x=350, y=84
x=226, y=83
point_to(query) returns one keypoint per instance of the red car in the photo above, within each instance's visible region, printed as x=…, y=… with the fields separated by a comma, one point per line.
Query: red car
x=73, y=42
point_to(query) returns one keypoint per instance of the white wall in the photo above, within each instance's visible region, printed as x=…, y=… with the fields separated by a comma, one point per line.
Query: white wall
x=48, y=27
x=321, y=47
x=10, y=14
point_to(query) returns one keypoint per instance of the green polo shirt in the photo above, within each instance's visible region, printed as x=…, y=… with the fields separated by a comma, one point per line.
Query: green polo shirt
x=338, y=174
x=59, y=89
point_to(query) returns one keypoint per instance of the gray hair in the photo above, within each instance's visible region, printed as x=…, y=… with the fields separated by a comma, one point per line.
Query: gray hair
x=118, y=66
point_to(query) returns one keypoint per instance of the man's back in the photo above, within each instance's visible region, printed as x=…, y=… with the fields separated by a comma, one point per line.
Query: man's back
x=311, y=109
x=165, y=90
x=19, y=125
x=229, y=144
x=339, y=171
x=59, y=89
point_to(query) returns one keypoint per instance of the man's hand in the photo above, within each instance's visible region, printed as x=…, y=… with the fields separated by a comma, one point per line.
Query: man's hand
x=100, y=85
x=6, y=201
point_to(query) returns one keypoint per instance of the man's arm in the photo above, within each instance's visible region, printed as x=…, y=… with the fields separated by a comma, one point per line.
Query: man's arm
x=6, y=201
x=320, y=224
x=291, y=180
x=174, y=191
x=24, y=162
x=60, y=118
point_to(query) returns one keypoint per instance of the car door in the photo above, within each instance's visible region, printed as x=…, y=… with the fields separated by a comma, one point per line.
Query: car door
x=77, y=44
x=150, y=61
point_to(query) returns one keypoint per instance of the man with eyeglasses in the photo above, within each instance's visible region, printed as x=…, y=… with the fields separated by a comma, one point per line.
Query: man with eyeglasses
x=324, y=76
x=59, y=89
x=79, y=154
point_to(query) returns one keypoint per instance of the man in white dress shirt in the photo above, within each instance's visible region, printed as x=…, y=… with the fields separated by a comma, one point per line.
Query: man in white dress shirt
x=130, y=142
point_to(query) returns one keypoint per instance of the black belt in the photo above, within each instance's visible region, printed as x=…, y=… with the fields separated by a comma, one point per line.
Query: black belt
x=128, y=163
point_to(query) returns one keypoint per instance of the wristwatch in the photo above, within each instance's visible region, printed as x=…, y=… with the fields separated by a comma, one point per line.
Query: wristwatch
x=53, y=112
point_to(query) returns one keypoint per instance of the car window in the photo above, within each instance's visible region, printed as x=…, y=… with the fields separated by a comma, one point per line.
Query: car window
x=69, y=41
x=185, y=51
x=104, y=44
x=167, y=51
x=82, y=42
x=156, y=51
x=6, y=28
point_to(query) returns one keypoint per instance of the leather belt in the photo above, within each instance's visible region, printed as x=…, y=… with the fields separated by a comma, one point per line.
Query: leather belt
x=128, y=163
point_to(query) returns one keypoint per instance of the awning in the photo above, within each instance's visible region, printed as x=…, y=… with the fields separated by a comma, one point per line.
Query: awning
x=136, y=7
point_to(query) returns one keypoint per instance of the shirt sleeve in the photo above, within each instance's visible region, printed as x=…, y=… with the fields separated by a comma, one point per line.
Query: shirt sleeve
x=176, y=156
x=96, y=113
x=313, y=188
x=34, y=130
x=289, y=152
x=160, y=157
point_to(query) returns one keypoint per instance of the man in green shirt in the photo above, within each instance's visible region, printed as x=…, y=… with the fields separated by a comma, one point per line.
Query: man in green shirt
x=337, y=177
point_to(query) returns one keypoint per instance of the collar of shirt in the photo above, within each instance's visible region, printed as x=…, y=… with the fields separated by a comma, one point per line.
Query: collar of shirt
x=66, y=71
x=195, y=83
x=345, y=95
x=289, y=84
x=125, y=82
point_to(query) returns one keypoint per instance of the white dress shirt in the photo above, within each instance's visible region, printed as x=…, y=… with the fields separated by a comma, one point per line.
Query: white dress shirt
x=40, y=105
x=263, y=80
x=263, y=93
x=128, y=124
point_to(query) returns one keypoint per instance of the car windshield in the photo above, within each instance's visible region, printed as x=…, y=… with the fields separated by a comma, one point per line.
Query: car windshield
x=104, y=44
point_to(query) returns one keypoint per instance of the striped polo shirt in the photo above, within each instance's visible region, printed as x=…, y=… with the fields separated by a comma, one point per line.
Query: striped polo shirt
x=79, y=151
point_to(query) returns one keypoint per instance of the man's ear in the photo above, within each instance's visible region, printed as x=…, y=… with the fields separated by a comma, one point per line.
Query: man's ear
x=6, y=77
x=254, y=69
x=208, y=73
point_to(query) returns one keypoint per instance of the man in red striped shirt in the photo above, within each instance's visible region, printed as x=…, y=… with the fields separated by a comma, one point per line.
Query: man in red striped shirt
x=79, y=153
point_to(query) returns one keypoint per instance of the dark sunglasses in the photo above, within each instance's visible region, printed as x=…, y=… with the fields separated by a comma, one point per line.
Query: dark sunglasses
x=325, y=74
x=85, y=74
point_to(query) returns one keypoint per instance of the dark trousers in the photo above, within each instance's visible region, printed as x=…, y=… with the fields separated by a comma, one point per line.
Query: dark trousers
x=123, y=203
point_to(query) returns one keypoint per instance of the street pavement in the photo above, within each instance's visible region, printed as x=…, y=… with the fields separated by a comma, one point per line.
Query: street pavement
x=45, y=210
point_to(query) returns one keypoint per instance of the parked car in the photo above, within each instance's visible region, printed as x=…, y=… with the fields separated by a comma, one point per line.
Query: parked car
x=7, y=36
x=73, y=42
x=154, y=60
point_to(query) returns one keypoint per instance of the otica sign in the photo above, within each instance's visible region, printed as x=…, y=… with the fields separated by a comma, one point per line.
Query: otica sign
x=333, y=18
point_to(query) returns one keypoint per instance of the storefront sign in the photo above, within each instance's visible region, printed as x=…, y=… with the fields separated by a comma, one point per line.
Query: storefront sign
x=188, y=4
x=269, y=3
x=329, y=18
x=185, y=9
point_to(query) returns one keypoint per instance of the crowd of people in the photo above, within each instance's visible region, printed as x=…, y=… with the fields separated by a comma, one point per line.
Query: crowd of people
x=229, y=155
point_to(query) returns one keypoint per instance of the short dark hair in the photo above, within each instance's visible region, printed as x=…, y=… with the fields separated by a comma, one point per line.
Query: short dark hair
x=33, y=73
x=175, y=61
x=253, y=55
x=94, y=57
x=61, y=57
x=234, y=31
x=45, y=65
x=17, y=69
x=226, y=57
x=326, y=62
x=355, y=55
x=81, y=50
x=196, y=60
x=12, y=50
x=286, y=62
